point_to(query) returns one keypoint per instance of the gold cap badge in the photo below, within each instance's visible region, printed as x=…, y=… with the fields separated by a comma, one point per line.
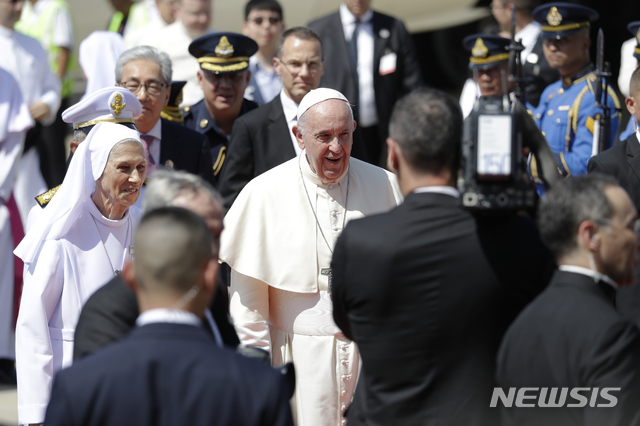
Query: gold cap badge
x=479, y=49
x=553, y=17
x=117, y=106
x=638, y=36
x=224, y=48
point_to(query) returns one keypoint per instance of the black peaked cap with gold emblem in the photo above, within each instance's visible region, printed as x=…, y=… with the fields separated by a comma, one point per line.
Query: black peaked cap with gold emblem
x=172, y=111
x=487, y=50
x=634, y=28
x=222, y=53
x=559, y=20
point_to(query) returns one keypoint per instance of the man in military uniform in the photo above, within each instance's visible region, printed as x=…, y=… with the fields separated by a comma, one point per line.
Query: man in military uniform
x=489, y=60
x=567, y=111
x=223, y=76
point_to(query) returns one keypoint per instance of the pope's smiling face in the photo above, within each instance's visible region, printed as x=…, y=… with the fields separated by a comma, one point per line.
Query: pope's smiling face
x=327, y=136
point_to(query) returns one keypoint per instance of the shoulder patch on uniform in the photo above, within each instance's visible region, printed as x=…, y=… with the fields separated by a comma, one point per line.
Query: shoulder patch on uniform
x=44, y=198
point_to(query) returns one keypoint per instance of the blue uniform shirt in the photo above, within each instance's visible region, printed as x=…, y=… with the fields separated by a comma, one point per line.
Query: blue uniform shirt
x=197, y=117
x=566, y=117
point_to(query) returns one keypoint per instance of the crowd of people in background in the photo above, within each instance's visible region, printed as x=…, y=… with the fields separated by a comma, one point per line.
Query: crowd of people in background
x=264, y=227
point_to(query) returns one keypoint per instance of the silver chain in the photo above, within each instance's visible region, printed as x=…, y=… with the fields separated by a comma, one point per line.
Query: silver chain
x=104, y=245
x=346, y=201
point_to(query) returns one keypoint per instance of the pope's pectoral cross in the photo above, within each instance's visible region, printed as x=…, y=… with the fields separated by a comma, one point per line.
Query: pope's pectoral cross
x=328, y=272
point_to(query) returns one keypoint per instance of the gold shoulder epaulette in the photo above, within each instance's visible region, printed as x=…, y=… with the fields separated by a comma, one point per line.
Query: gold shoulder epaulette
x=44, y=198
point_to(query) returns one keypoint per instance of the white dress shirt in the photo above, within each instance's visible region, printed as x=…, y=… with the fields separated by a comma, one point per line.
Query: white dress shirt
x=25, y=59
x=368, y=115
x=291, y=115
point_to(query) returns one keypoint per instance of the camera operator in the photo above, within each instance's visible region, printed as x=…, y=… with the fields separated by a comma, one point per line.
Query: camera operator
x=440, y=286
x=494, y=172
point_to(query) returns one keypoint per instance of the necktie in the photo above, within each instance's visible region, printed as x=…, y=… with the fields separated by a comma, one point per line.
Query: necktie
x=353, y=50
x=147, y=140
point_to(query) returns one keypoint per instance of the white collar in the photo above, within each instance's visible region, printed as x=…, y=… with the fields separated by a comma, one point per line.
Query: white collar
x=156, y=130
x=438, y=189
x=175, y=316
x=586, y=271
x=289, y=106
x=349, y=18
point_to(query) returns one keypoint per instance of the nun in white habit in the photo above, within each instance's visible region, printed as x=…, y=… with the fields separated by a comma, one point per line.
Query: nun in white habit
x=80, y=241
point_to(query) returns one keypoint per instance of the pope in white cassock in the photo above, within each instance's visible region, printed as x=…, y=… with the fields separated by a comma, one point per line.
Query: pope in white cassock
x=278, y=239
x=80, y=240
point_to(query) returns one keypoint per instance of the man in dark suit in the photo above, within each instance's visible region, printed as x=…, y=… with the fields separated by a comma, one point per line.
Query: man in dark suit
x=111, y=312
x=622, y=161
x=425, y=290
x=372, y=69
x=146, y=72
x=168, y=371
x=571, y=341
x=263, y=138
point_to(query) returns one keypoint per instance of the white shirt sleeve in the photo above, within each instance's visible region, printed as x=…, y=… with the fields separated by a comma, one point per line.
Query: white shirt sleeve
x=249, y=308
x=63, y=30
x=34, y=350
x=51, y=87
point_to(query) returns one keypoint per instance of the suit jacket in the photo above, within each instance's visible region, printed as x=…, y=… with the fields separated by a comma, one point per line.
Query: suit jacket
x=111, y=312
x=260, y=140
x=186, y=149
x=417, y=291
x=388, y=88
x=169, y=374
x=622, y=161
x=572, y=336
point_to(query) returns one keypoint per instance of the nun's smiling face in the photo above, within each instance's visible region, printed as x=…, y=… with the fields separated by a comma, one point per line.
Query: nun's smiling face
x=119, y=186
